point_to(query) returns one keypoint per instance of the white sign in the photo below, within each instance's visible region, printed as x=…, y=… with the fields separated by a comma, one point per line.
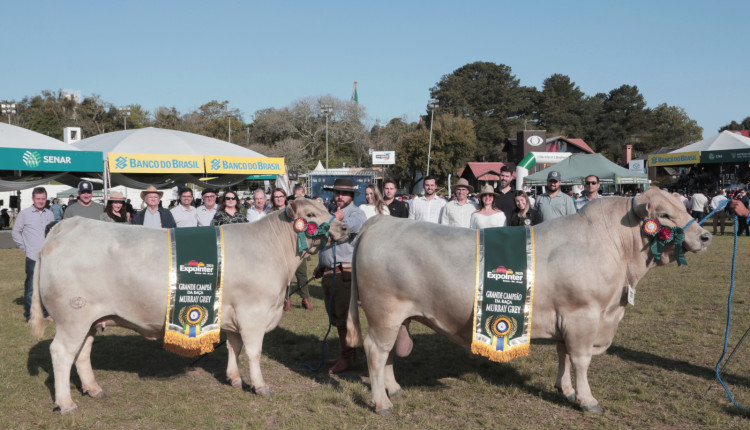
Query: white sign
x=637, y=166
x=383, y=157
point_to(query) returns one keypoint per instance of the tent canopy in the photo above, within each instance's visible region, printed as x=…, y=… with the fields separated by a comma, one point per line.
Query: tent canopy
x=575, y=168
x=720, y=142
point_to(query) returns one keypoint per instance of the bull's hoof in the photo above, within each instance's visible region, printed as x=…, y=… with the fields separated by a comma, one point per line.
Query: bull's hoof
x=67, y=410
x=593, y=409
x=97, y=394
x=384, y=412
x=265, y=392
x=237, y=383
x=397, y=393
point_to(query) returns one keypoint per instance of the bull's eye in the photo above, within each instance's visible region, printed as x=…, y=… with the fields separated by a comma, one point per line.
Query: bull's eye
x=310, y=215
x=664, y=216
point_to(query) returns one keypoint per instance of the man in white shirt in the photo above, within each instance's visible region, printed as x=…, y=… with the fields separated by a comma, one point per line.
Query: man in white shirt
x=427, y=207
x=259, y=209
x=720, y=215
x=699, y=204
x=458, y=212
x=207, y=210
x=185, y=215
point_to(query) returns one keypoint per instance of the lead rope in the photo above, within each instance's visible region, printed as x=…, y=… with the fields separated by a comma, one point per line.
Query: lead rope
x=330, y=322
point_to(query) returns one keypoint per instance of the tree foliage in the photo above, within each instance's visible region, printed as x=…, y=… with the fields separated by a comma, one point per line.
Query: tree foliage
x=734, y=125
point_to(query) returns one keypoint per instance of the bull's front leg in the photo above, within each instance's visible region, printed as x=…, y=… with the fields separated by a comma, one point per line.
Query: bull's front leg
x=234, y=346
x=563, y=383
x=253, y=339
x=579, y=342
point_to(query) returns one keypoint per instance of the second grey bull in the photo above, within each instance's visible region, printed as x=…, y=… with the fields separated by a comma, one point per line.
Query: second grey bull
x=580, y=309
x=91, y=273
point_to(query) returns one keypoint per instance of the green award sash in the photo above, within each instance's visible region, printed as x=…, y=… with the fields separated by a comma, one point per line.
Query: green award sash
x=504, y=292
x=195, y=285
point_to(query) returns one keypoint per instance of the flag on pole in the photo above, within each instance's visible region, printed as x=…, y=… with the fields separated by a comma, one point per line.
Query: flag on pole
x=420, y=119
x=355, y=98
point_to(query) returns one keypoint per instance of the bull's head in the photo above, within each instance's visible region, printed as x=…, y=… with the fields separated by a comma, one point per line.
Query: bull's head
x=313, y=225
x=668, y=211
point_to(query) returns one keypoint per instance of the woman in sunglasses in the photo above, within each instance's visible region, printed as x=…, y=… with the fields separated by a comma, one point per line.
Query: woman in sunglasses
x=229, y=212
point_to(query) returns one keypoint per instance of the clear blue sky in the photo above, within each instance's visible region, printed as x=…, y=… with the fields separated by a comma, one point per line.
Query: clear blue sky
x=256, y=55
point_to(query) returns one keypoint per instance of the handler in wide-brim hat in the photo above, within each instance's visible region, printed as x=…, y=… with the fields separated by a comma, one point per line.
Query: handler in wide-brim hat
x=343, y=184
x=153, y=215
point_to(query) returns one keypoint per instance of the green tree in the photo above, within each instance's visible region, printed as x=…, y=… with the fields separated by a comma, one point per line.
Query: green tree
x=622, y=120
x=669, y=126
x=734, y=126
x=561, y=107
x=492, y=98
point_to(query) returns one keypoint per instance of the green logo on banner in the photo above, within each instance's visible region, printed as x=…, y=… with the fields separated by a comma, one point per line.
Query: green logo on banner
x=31, y=158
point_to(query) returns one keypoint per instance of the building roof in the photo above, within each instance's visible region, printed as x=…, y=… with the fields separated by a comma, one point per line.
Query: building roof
x=579, y=143
x=481, y=168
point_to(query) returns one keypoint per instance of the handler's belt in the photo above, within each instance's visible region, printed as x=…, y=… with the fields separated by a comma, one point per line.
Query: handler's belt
x=344, y=268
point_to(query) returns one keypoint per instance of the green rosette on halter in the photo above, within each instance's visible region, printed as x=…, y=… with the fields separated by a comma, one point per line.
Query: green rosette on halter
x=662, y=235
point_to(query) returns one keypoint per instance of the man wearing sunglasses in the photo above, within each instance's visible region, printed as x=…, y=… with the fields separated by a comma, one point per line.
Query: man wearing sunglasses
x=85, y=207
x=590, y=191
x=554, y=203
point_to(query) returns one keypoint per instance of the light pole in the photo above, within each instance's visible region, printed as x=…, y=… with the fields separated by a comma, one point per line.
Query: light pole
x=8, y=109
x=326, y=109
x=230, y=112
x=433, y=105
x=125, y=112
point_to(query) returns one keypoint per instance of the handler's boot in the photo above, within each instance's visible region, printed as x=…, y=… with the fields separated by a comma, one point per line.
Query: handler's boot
x=347, y=353
x=306, y=304
x=287, y=305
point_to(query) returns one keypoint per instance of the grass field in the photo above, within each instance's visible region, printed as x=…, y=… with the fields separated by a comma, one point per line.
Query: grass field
x=654, y=375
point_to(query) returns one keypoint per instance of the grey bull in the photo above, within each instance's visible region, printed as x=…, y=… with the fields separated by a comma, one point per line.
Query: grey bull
x=584, y=264
x=92, y=274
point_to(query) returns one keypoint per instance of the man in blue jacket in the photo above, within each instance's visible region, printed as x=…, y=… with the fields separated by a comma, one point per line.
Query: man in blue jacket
x=153, y=215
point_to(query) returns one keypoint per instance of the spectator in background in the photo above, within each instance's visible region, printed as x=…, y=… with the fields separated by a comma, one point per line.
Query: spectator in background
x=28, y=234
x=699, y=205
x=71, y=200
x=524, y=214
x=115, y=210
x=554, y=203
x=397, y=208
x=428, y=207
x=153, y=215
x=207, y=210
x=458, y=212
x=278, y=199
x=741, y=195
x=488, y=215
x=85, y=207
x=375, y=204
x=719, y=216
x=4, y=218
x=229, y=212
x=590, y=192
x=505, y=194
x=184, y=214
x=260, y=206
x=56, y=209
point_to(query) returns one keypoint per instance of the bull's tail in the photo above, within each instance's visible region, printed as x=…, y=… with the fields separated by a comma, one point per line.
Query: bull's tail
x=37, y=315
x=353, y=329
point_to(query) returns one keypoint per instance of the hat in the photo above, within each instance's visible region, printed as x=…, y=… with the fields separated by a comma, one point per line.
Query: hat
x=462, y=183
x=85, y=186
x=149, y=190
x=343, y=184
x=208, y=190
x=116, y=196
x=487, y=189
x=554, y=175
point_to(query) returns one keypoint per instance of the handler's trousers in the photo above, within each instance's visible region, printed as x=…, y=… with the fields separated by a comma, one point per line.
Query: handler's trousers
x=339, y=303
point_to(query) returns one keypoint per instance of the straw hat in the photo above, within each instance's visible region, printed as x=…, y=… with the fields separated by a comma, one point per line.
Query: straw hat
x=343, y=184
x=116, y=196
x=487, y=189
x=463, y=182
x=149, y=190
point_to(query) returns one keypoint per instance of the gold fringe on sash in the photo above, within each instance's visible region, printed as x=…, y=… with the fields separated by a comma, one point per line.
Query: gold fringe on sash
x=190, y=346
x=485, y=350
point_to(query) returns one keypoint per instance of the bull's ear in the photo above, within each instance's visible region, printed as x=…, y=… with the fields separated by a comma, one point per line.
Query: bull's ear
x=641, y=206
x=291, y=209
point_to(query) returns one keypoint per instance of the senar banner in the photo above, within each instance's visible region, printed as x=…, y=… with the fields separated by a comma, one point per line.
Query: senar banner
x=245, y=165
x=48, y=160
x=155, y=163
x=675, y=159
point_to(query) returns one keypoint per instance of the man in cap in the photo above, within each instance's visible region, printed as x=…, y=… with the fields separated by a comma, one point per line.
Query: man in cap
x=554, y=204
x=458, y=212
x=207, y=210
x=153, y=215
x=85, y=207
x=341, y=275
x=28, y=234
x=184, y=214
x=590, y=192
x=396, y=207
x=428, y=207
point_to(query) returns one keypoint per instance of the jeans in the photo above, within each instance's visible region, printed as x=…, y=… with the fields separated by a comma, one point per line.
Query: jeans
x=28, y=289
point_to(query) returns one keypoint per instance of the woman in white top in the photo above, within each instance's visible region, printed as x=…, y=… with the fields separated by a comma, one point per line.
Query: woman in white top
x=488, y=215
x=375, y=204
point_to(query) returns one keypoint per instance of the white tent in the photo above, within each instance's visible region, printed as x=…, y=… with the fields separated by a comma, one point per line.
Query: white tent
x=720, y=142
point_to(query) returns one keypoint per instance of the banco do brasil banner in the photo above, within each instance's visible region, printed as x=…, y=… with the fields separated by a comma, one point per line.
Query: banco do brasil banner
x=693, y=157
x=155, y=163
x=48, y=160
x=245, y=165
